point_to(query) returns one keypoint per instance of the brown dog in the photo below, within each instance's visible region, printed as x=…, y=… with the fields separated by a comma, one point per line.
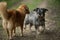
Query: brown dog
x=13, y=18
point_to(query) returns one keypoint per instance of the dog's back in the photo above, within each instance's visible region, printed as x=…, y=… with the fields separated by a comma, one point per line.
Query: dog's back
x=31, y=18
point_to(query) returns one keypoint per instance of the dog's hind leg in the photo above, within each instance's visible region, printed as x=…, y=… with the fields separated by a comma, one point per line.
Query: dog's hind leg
x=7, y=32
x=30, y=26
x=10, y=34
x=14, y=31
x=4, y=23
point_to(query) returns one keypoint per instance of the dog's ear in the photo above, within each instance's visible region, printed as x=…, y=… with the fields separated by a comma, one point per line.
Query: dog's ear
x=36, y=9
x=46, y=9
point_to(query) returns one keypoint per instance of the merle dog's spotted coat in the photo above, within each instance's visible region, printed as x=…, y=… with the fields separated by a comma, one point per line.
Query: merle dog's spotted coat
x=36, y=18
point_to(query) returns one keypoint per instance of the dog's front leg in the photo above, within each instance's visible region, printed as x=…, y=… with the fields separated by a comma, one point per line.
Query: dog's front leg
x=37, y=31
x=43, y=26
x=21, y=30
x=24, y=26
x=14, y=29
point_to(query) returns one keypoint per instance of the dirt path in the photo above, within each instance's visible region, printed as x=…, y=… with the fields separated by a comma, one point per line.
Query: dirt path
x=50, y=34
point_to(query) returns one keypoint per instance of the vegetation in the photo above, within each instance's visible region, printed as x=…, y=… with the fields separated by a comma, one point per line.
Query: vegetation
x=11, y=2
x=55, y=6
x=33, y=4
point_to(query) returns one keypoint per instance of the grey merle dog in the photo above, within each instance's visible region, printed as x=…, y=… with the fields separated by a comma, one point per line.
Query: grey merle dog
x=36, y=18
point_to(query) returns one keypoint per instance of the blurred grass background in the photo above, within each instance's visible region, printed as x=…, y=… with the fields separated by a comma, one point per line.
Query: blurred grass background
x=54, y=5
x=15, y=3
x=10, y=2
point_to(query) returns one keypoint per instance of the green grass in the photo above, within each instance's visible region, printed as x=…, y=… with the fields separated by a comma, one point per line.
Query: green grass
x=33, y=4
x=55, y=5
x=30, y=5
x=0, y=26
x=11, y=2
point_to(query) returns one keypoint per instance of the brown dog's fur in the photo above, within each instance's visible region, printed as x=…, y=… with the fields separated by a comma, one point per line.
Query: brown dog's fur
x=13, y=18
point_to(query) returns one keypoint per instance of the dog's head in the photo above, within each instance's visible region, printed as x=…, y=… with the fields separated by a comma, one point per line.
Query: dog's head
x=37, y=10
x=24, y=9
x=3, y=6
x=41, y=11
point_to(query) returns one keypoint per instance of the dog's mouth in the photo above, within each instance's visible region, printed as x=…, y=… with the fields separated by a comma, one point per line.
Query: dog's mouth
x=40, y=15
